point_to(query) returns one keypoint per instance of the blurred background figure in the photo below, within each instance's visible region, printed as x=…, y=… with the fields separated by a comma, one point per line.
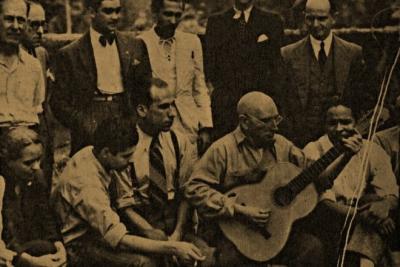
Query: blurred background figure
x=79, y=18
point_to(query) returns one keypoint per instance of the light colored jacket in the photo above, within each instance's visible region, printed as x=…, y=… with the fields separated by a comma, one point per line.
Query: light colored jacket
x=192, y=96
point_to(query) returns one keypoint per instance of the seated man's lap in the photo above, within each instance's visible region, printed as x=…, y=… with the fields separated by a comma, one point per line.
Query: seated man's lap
x=99, y=254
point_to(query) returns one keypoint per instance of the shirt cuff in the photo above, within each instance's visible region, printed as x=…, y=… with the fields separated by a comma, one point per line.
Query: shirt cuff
x=125, y=202
x=115, y=234
x=229, y=206
x=328, y=195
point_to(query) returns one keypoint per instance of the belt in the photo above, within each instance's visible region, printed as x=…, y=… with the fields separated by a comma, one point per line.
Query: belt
x=107, y=98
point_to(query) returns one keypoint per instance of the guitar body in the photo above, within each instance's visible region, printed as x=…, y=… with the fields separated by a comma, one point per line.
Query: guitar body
x=256, y=243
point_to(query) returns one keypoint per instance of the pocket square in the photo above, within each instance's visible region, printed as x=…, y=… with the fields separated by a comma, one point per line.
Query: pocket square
x=136, y=62
x=262, y=38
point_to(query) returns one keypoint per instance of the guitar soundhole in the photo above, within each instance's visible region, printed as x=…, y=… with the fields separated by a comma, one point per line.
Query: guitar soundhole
x=283, y=196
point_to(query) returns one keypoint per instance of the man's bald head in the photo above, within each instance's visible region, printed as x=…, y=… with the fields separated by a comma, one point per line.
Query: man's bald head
x=256, y=104
x=318, y=5
x=258, y=118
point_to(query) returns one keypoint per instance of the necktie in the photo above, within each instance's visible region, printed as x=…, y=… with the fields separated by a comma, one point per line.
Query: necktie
x=156, y=158
x=158, y=180
x=242, y=25
x=107, y=38
x=322, y=55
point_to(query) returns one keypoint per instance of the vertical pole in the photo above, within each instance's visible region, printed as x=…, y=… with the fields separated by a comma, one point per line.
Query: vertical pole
x=68, y=16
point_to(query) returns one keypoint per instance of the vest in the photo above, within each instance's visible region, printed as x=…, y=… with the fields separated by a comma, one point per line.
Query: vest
x=322, y=88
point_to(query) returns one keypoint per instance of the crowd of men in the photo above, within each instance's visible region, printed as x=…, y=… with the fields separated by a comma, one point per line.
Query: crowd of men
x=160, y=132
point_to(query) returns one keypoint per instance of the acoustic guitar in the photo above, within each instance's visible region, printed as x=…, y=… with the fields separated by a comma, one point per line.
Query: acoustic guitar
x=288, y=199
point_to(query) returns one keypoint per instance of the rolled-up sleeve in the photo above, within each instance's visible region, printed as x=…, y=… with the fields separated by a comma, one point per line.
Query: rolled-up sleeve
x=200, y=189
x=124, y=189
x=93, y=205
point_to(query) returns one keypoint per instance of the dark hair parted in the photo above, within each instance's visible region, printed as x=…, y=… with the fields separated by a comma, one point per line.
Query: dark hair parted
x=142, y=92
x=157, y=5
x=117, y=134
x=14, y=140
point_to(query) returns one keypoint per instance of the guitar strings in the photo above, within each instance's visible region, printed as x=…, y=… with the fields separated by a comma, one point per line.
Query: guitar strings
x=372, y=130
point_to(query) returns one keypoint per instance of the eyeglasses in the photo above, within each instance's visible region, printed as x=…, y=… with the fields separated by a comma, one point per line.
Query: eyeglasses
x=177, y=15
x=313, y=18
x=267, y=122
x=110, y=10
x=36, y=24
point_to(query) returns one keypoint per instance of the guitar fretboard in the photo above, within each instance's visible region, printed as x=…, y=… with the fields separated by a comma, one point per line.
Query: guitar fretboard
x=309, y=174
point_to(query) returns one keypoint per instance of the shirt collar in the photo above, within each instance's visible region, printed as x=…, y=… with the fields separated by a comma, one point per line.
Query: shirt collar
x=246, y=13
x=239, y=135
x=22, y=55
x=97, y=165
x=160, y=40
x=316, y=44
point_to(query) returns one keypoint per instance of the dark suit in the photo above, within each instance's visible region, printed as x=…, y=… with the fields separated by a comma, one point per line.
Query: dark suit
x=296, y=100
x=236, y=66
x=76, y=85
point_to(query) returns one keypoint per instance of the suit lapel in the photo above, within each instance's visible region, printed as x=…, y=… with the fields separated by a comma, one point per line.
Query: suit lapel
x=124, y=54
x=86, y=55
x=341, y=65
x=302, y=67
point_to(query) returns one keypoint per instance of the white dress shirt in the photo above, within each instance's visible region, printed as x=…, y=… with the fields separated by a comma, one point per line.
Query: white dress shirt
x=109, y=79
x=22, y=91
x=316, y=45
x=238, y=13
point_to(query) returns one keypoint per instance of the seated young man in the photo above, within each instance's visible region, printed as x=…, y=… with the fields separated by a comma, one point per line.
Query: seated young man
x=30, y=236
x=378, y=194
x=149, y=195
x=93, y=232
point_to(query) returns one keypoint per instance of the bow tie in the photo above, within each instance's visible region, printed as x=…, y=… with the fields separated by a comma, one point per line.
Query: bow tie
x=107, y=38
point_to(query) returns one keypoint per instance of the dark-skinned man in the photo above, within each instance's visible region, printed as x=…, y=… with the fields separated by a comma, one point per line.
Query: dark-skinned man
x=376, y=190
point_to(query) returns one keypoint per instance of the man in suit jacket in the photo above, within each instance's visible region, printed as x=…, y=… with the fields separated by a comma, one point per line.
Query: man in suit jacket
x=242, y=55
x=177, y=58
x=318, y=67
x=92, y=74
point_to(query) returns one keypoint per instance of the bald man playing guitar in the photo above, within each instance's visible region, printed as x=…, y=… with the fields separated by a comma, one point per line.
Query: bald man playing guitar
x=245, y=200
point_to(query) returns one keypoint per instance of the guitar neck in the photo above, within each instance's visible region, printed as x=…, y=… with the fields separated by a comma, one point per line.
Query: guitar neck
x=307, y=176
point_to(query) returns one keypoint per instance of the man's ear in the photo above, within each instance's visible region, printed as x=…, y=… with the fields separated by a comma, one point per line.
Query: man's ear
x=243, y=121
x=142, y=110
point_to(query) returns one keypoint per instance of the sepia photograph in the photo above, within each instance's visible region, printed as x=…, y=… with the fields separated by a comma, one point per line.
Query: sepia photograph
x=199, y=133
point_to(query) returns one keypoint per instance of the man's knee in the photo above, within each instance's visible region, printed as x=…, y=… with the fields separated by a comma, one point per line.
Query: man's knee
x=313, y=249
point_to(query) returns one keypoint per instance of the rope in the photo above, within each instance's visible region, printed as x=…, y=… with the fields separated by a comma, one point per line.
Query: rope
x=373, y=127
